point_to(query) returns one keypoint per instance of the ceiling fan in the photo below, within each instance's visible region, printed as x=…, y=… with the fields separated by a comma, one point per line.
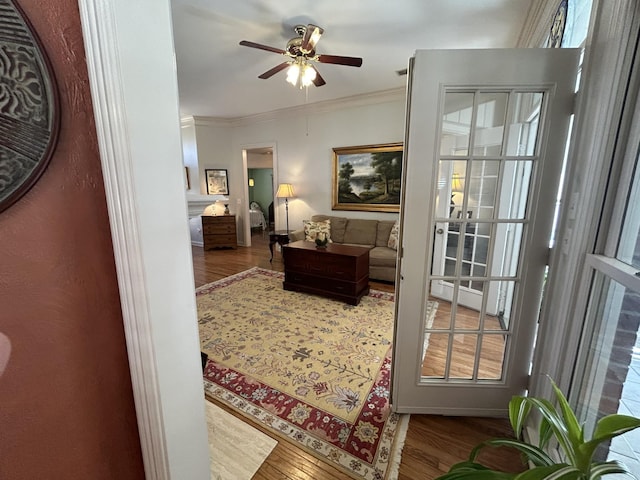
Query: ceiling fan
x=302, y=50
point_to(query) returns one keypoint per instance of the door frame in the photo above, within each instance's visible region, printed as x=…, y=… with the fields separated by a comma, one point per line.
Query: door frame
x=610, y=48
x=162, y=352
x=245, y=173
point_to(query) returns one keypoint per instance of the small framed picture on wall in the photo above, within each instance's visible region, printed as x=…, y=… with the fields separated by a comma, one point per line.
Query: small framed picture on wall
x=217, y=181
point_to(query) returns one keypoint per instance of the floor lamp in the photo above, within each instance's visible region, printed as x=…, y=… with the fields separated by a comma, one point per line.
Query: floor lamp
x=285, y=190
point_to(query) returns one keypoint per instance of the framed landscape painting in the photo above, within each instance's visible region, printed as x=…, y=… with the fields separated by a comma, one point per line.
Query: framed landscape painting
x=217, y=182
x=367, y=178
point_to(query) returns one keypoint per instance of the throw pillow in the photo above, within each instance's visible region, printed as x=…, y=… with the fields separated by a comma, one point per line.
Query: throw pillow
x=313, y=229
x=393, y=236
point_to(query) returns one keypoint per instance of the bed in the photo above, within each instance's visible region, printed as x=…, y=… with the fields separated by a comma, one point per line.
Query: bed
x=256, y=216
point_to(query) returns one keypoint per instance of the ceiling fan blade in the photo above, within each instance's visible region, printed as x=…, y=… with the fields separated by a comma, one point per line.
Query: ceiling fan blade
x=318, y=81
x=274, y=70
x=246, y=43
x=350, y=61
x=311, y=36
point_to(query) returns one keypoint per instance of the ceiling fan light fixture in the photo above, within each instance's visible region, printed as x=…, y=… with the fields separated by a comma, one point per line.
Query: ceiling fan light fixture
x=301, y=50
x=293, y=73
x=308, y=75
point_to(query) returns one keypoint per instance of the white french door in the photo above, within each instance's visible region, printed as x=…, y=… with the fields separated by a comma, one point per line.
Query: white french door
x=485, y=140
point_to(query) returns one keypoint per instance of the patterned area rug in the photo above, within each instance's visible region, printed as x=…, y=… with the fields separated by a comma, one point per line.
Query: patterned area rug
x=313, y=370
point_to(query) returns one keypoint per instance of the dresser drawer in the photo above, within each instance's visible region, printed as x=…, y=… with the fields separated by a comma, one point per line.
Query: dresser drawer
x=217, y=229
x=220, y=240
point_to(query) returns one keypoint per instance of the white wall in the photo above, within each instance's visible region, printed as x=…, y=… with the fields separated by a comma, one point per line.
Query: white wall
x=305, y=138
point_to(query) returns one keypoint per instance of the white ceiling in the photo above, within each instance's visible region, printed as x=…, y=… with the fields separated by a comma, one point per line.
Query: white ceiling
x=219, y=78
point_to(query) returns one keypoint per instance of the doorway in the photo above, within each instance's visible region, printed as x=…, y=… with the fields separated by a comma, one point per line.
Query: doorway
x=259, y=172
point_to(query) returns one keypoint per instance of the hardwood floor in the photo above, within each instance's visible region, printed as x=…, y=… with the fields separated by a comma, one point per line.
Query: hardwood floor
x=433, y=443
x=464, y=345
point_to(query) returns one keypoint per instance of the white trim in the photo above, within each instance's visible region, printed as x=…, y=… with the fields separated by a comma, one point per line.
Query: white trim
x=148, y=218
x=615, y=269
x=386, y=96
x=197, y=204
x=99, y=30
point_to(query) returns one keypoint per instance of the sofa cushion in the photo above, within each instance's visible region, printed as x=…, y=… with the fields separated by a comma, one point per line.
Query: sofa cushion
x=313, y=229
x=393, y=237
x=361, y=232
x=338, y=226
x=384, y=229
x=382, y=257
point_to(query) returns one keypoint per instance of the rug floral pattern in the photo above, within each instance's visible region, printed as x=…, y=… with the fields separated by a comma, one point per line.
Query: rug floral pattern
x=313, y=369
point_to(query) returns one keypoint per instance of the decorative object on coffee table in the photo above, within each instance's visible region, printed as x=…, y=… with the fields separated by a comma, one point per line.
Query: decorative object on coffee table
x=321, y=240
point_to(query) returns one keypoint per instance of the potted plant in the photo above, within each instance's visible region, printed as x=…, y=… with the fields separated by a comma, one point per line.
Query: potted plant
x=558, y=424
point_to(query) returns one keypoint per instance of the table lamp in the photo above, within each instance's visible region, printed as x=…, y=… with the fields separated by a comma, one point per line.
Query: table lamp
x=285, y=190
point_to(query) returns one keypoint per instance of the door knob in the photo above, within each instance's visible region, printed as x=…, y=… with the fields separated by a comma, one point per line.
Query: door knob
x=440, y=231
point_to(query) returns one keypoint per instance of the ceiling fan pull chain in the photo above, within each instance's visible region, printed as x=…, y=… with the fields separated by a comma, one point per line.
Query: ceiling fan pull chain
x=306, y=106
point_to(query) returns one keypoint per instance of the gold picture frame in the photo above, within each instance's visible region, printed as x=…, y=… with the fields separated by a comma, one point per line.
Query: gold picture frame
x=367, y=178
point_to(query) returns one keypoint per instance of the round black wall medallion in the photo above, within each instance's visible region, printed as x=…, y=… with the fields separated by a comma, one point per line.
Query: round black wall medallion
x=28, y=105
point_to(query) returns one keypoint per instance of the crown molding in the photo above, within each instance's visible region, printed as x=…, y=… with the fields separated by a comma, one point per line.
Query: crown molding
x=537, y=24
x=374, y=98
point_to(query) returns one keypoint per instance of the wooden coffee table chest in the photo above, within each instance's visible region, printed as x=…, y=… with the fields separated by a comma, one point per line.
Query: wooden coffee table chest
x=340, y=272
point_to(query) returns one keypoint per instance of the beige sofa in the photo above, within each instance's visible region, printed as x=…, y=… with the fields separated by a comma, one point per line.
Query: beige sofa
x=368, y=233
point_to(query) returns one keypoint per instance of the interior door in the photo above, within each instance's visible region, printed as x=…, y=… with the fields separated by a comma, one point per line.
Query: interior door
x=486, y=135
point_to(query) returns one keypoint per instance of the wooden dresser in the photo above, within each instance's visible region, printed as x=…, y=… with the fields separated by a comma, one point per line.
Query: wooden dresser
x=338, y=271
x=219, y=231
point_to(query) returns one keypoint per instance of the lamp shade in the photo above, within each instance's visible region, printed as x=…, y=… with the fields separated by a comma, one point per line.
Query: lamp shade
x=456, y=184
x=285, y=190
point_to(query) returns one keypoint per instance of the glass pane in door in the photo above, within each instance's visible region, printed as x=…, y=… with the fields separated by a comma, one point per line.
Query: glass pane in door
x=456, y=124
x=480, y=222
x=523, y=124
x=489, y=125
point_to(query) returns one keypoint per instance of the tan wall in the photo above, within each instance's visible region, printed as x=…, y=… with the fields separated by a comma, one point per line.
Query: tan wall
x=66, y=404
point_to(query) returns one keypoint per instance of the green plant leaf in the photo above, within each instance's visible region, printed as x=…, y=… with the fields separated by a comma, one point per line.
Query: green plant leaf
x=536, y=455
x=574, y=429
x=606, y=428
x=472, y=470
x=614, y=425
x=556, y=423
x=605, y=468
x=545, y=433
x=555, y=472
x=519, y=409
